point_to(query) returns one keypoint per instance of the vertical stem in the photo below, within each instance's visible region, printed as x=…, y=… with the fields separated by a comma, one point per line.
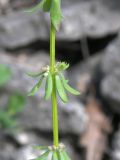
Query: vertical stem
x=54, y=98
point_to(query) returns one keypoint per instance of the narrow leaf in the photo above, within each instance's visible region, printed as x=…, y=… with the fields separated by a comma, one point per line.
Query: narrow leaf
x=36, y=87
x=55, y=13
x=66, y=155
x=45, y=5
x=55, y=156
x=48, y=87
x=61, y=155
x=40, y=147
x=68, y=87
x=60, y=89
x=36, y=8
x=35, y=74
x=44, y=156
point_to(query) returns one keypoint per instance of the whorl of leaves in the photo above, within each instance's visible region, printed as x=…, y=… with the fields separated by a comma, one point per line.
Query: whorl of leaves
x=54, y=153
x=62, y=86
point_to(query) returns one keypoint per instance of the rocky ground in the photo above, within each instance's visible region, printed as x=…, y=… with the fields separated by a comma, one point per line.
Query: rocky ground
x=89, y=40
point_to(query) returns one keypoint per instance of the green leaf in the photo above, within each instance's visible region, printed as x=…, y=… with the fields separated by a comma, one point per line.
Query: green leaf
x=66, y=155
x=60, y=89
x=36, y=87
x=54, y=155
x=45, y=5
x=40, y=147
x=62, y=66
x=48, y=87
x=44, y=156
x=35, y=74
x=5, y=75
x=15, y=104
x=61, y=155
x=36, y=8
x=55, y=13
x=68, y=87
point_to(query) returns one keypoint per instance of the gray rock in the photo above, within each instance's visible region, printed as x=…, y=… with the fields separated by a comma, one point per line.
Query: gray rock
x=82, y=18
x=116, y=146
x=110, y=90
x=19, y=29
x=7, y=149
x=110, y=66
x=89, y=18
x=84, y=73
x=37, y=115
x=111, y=60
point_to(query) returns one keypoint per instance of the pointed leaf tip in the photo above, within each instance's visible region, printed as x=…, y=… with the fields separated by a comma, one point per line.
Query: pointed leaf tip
x=68, y=87
x=35, y=8
x=36, y=87
x=45, y=5
x=56, y=13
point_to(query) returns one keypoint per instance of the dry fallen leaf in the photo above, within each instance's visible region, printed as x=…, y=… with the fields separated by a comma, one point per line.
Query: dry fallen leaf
x=94, y=140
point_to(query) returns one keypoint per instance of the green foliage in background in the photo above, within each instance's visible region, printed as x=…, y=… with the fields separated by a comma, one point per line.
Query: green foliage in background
x=5, y=75
x=8, y=116
x=15, y=102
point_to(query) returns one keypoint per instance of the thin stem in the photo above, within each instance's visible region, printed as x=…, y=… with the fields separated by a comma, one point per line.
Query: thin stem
x=54, y=98
x=52, y=47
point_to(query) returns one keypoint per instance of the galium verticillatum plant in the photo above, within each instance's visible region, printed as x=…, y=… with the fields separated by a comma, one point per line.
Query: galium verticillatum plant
x=55, y=82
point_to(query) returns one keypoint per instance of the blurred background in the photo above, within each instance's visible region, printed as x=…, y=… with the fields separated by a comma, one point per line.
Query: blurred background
x=89, y=40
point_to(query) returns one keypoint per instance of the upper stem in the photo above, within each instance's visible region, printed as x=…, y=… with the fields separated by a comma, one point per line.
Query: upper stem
x=54, y=97
x=52, y=47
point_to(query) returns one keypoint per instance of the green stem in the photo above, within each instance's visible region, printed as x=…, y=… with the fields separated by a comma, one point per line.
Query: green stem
x=54, y=98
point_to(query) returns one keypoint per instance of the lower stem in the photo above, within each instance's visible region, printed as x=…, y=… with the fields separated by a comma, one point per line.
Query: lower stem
x=54, y=97
x=55, y=115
